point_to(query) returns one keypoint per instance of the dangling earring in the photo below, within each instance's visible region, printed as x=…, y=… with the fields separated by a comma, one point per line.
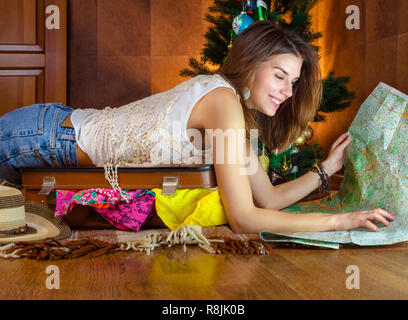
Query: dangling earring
x=246, y=93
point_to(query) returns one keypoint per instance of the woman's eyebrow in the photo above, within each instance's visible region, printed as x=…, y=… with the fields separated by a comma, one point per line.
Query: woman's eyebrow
x=284, y=71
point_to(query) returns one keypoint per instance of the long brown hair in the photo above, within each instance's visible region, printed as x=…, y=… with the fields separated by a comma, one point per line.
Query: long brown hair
x=256, y=44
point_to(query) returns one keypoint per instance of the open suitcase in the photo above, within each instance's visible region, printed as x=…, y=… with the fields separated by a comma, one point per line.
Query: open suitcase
x=40, y=184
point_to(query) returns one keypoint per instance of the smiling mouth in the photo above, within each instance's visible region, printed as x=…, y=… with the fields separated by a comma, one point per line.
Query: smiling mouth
x=274, y=101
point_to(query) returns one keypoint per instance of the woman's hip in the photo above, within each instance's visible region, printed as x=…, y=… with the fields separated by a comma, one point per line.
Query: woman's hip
x=35, y=131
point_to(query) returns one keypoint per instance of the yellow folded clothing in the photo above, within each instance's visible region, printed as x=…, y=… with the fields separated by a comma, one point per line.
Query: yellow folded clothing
x=190, y=206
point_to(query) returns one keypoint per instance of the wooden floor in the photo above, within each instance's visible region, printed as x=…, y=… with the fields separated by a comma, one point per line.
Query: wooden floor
x=286, y=273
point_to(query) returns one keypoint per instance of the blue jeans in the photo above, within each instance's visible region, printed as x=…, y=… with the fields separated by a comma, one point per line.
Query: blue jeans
x=32, y=136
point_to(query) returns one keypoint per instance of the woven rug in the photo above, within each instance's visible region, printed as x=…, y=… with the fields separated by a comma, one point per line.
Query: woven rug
x=93, y=243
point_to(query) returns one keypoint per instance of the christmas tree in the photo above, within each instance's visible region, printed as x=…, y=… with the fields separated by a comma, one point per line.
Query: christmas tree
x=228, y=18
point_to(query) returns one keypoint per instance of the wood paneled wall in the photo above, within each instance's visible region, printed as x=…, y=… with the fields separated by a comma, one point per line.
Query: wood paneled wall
x=378, y=52
x=124, y=50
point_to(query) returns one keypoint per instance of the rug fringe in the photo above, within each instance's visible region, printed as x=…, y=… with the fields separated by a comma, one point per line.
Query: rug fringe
x=51, y=249
x=186, y=234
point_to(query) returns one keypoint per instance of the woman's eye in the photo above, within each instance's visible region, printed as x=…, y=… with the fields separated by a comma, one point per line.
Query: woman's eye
x=280, y=78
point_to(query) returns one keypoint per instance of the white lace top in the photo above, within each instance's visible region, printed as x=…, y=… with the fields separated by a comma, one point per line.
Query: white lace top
x=147, y=132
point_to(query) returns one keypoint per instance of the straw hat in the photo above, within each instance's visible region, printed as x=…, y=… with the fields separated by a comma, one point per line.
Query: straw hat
x=27, y=221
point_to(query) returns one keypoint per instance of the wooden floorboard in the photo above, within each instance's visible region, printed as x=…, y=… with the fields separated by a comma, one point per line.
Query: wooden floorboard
x=286, y=273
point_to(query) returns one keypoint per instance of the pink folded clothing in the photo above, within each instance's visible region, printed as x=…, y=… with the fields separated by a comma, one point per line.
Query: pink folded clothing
x=126, y=212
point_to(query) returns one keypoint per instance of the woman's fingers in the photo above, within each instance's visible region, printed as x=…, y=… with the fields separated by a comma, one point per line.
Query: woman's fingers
x=365, y=218
x=347, y=141
x=387, y=214
x=379, y=215
x=343, y=145
x=341, y=139
x=368, y=224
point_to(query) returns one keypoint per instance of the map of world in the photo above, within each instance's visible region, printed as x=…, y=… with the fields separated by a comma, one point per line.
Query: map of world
x=375, y=176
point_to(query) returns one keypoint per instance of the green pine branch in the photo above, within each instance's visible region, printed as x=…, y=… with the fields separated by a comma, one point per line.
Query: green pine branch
x=336, y=97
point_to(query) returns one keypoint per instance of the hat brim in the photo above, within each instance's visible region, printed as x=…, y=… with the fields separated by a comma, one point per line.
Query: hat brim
x=42, y=219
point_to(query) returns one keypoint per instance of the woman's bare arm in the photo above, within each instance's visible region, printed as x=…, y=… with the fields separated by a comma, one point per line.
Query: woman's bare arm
x=235, y=188
x=224, y=112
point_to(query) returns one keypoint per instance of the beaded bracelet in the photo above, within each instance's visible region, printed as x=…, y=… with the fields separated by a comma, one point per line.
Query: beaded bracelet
x=324, y=177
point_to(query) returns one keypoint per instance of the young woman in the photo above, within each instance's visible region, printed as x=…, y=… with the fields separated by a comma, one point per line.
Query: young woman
x=270, y=81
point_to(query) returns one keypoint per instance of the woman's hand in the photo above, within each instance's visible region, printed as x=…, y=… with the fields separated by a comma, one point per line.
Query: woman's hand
x=334, y=161
x=354, y=220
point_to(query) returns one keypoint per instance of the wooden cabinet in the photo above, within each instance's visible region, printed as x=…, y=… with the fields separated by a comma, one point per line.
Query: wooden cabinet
x=33, y=58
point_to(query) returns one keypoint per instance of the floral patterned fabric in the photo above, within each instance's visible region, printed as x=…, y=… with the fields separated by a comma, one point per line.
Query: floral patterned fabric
x=127, y=211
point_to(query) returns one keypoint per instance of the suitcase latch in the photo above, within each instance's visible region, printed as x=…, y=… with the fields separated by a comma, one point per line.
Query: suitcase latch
x=47, y=186
x=169, y=185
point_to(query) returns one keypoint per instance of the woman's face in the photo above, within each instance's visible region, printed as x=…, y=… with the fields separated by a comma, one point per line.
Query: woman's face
x=273, y=83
